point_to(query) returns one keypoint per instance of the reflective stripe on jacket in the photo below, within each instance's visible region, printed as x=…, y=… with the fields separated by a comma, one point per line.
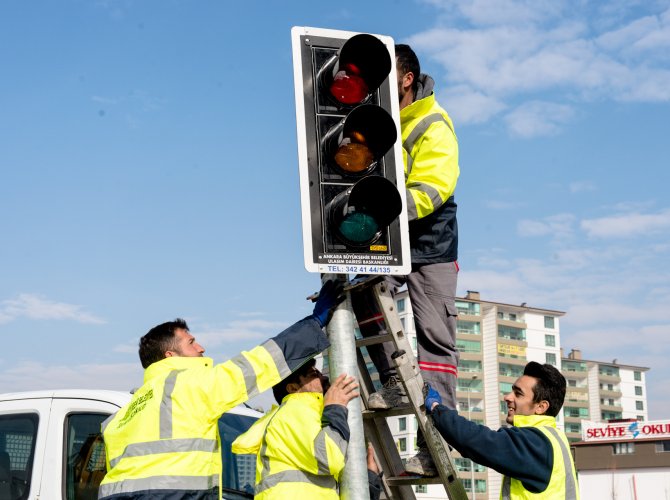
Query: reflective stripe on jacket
x=430, y=153
x=298, y=456
x=563, y=482
x=167, y=437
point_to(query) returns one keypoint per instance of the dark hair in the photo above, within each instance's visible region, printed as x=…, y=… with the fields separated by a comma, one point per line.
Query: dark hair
x=158, y=340
x=407, y=61
x=549, y=386
x=280, y=391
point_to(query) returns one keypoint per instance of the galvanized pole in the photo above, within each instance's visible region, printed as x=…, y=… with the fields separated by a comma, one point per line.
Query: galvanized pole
x=342, y=359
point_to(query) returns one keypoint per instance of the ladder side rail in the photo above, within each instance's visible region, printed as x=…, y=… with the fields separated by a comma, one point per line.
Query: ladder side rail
x=378, y=432
x=410, y=377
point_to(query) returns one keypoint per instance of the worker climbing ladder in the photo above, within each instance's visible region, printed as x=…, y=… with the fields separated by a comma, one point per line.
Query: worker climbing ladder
x=397, y=485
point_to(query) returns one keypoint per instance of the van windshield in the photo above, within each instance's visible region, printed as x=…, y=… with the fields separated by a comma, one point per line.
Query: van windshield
x=239, y=471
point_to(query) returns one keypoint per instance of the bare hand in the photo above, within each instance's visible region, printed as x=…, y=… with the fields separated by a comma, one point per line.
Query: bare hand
x=341, y=391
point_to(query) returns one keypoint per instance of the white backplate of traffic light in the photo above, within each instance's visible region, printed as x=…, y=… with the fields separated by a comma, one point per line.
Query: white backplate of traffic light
x=352, y=181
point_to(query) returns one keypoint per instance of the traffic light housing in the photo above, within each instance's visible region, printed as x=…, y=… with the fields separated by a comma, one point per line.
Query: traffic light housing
x=351, y=171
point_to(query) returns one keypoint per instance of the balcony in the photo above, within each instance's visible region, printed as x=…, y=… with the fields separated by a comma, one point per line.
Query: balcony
x=616, y=408
x=605, y=378
x=609, y=394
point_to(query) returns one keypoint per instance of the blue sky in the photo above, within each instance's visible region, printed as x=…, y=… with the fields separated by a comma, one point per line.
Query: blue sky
x=148, y=170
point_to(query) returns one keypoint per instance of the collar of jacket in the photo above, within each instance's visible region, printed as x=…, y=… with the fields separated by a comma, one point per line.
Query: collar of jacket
x=250, y=441
x=307, y=397
x=418, y=109
x=164, y=366
x=534, y=421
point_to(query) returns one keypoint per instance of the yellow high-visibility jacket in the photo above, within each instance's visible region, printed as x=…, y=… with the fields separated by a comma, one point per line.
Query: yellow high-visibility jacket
x=563, y=482
x=430, y=153
x=166, y=440
x=300, y=449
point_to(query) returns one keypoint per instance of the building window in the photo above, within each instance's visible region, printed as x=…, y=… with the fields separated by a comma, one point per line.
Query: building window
x=624, y=448
x=508, y=370
x=572, y=383
x=511, y=332
x=609, y=371
x=402, y=424
x=414, y=343
x=404, y=326
x=638, y=390
x=640, y=418
x=401, y=305
x=505, y=388
x=573, y=428
x=550, y=340
x=470, y=308
x=570, y=411
x=549, y=322
x=402, y=444
x=512, y=317
x=637, y=376
x=551, y=358
x=421, y=488
x=469, y=366
x=639, y=405
x=662, y=446
x=468, y=345
x=468, y=327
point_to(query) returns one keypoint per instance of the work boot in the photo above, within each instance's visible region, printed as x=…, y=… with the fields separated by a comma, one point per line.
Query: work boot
x=391, y=394
x=421, y=464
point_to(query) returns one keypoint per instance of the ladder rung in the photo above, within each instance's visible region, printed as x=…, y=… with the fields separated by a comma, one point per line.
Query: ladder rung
x=391, y=412
x=403, y=480
x=376, y=339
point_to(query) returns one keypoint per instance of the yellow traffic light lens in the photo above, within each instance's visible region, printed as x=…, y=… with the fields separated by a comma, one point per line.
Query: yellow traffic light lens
x=359, y=228
x=354, y=157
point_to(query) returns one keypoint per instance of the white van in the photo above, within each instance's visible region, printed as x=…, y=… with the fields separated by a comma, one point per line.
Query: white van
x=51, y=447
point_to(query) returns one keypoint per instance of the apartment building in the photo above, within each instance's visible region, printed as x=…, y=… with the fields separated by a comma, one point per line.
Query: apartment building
x=601, y=391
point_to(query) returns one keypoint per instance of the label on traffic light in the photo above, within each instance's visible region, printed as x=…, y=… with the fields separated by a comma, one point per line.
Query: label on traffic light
x=351, y=171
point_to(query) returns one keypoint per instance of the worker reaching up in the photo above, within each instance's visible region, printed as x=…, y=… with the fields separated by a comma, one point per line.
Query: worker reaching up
x=165, y=443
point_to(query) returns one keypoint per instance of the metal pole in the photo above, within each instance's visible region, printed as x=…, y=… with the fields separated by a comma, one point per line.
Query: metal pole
x=472, y=464
x=342, y=359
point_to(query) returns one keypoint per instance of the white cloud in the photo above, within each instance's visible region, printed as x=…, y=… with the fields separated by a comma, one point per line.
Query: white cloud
x=33, y=375
x=468, y=106
x=582, y=186
x=534, y=119
x=558, y=226
x=499, y=52
x=503, y=205
x=35, y=307
x=627, y=225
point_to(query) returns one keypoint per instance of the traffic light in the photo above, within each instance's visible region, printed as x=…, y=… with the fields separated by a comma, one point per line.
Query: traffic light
x=351, y=171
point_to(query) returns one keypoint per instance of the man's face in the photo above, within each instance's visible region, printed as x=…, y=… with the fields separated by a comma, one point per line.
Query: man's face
x=185, y=345
x=314, y=381
x=520, y=400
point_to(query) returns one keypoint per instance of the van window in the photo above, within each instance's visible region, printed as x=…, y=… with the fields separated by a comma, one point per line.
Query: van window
x=239, y=471
x=18, y=433
x=84, y=455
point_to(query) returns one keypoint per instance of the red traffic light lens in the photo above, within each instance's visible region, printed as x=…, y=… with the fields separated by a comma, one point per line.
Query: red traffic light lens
x=348, y=86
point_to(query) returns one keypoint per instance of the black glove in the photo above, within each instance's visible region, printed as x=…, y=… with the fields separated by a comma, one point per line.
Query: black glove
x=331, y=294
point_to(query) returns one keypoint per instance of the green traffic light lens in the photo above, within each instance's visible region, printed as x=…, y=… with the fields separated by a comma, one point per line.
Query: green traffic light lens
x=359, y=228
